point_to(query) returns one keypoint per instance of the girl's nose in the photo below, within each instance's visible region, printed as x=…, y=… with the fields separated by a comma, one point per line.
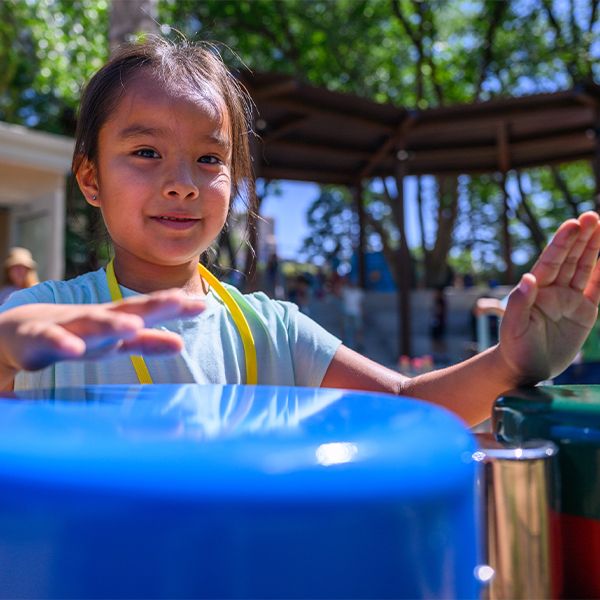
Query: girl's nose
x=180, y=184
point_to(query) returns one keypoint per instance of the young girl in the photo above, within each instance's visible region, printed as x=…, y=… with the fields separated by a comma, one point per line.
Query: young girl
x=161, y=150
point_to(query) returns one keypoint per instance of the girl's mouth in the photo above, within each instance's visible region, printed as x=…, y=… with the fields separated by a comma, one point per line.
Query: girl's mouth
x=176, y=222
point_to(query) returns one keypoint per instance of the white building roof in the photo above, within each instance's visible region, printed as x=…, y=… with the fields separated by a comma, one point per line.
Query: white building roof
x=31, y=162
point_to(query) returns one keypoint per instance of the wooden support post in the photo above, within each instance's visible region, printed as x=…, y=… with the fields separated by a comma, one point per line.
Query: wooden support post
x=357, y=192
x=507, y=243
x=403, y=278
x=504, y=166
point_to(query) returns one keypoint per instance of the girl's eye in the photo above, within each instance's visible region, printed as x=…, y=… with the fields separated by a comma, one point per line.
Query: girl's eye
x=146, y=153
x=209, y=160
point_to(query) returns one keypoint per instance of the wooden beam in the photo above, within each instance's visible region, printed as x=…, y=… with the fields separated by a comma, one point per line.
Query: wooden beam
x=299, y=174
x=522, y=154
x=586, y=99
x=391, y=142
x=284, y=129
x=545, y=124
x=306, y=148
x=349, y=119
x=275, y=89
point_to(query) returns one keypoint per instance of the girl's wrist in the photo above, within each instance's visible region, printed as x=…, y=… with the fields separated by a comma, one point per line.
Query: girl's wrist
x=507, y=371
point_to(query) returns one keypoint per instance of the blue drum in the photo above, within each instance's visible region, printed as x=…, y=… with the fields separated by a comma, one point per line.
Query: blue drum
x=184, y=491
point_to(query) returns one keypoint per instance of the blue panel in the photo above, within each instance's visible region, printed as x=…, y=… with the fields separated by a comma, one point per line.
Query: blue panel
x=233, y=491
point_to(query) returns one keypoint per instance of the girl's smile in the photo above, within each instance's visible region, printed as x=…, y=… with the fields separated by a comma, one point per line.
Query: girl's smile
x=176, y=222
x=162, y=181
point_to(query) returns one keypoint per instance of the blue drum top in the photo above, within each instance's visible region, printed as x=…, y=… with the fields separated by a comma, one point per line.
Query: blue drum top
x=231, y=440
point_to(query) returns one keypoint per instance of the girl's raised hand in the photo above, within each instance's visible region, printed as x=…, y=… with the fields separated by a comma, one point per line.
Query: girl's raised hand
x=36, y=335
x=552, y=310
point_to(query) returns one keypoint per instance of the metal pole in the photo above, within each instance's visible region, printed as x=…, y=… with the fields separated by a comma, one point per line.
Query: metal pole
x=517, y=489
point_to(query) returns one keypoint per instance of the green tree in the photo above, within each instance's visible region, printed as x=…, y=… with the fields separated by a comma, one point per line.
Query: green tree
x=414, y=53
x=420, y=54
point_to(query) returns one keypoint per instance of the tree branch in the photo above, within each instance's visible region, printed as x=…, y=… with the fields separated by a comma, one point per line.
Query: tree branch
x=393, y=202
x=575, y=37
x=388, y=252
x=530, y=220
x=497, y=10
x=593, y=15
x=437, y=89
x=293, y=53
x=562, y=186
x=397, y=10
x=560, y=45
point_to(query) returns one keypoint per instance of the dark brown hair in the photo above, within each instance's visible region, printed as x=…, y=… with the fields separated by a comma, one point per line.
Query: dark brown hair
x=190, y=69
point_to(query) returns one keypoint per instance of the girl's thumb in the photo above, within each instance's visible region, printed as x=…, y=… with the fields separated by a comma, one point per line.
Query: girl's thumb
x=520, y=302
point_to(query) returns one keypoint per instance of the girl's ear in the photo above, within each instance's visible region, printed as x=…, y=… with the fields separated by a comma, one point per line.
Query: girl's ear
x=87, y=178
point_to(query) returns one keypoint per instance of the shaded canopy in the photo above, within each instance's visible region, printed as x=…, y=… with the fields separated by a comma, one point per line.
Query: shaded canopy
x=313, y=134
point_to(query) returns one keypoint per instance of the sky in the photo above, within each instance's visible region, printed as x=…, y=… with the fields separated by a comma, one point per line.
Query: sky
x=290, y=207
x=289, y=212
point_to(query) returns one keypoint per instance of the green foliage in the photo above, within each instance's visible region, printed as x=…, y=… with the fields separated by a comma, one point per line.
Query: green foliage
x=334, y=228
x=414, y=53
x=50, y=48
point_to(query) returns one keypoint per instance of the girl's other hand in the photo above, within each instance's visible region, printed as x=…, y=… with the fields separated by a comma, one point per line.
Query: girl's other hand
x=36, y=335
x=552, y=310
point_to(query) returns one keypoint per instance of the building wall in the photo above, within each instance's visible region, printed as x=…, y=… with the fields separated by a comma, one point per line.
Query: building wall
x=33, y=167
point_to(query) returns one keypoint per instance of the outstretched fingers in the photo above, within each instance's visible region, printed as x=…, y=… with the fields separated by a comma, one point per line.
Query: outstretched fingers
x=571, y=255
x=36, y=335
x=559, y=254
x=48, y=345
x=108, y=329
x=102, y=328
x=153, y=341
x=588, y=260
x=582, y=257
x=160, y=306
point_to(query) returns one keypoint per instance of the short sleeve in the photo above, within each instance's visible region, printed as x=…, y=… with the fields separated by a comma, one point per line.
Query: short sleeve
x=312, y=348
x=37, y=294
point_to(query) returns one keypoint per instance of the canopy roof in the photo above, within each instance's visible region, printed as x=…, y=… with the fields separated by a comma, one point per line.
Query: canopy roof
x=313, y=134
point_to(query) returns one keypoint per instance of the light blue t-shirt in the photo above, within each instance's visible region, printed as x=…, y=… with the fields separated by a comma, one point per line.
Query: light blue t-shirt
x=291, y=348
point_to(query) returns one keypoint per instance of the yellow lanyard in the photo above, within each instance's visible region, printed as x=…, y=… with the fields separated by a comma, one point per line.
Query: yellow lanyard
x=139, y=364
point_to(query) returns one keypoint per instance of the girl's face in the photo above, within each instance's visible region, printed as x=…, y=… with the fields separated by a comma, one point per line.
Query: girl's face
x=162, y=178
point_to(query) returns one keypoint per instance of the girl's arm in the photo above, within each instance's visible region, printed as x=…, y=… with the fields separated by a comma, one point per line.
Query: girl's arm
x=547, y=319
x=34, y=336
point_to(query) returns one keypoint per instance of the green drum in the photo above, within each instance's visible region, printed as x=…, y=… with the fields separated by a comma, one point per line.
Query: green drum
x=569, y=416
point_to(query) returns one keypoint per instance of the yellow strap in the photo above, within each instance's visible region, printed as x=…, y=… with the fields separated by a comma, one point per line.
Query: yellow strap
x=139, y=364
x=240, y=322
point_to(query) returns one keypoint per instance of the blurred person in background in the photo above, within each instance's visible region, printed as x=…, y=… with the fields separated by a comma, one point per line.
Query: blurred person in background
x=20, y=272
